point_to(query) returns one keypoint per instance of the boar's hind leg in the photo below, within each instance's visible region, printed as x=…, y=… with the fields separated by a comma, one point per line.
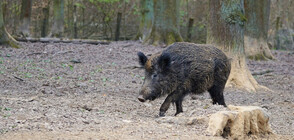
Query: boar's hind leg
x=179, y=105
x=173, y=97
x=216, y=93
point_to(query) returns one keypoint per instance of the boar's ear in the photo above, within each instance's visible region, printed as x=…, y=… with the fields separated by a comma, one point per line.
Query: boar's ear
x=164, y=61
x=142, y=58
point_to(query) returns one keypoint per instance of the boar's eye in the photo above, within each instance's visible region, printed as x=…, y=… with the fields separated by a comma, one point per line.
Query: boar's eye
x=154, y=76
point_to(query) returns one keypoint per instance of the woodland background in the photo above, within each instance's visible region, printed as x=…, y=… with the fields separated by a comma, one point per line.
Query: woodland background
x=97, y=19
x=78, y=90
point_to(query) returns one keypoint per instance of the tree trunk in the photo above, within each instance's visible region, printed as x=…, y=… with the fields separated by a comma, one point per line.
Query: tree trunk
x=189, y=29
x=226, y=22
x=45, y=23
x=118, y=26
x=58, y=28
x=83, y=23
x=164, y=29
x=25, y=17
x=5, y=37
x=255, y=38
x=147, y=18
x=75, y=21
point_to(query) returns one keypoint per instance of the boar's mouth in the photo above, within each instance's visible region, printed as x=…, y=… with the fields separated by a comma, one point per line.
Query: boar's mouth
x=152, y=97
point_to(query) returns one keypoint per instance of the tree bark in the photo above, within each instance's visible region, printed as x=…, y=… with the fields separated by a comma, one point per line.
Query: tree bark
x=226, y=22
x=255, y=38
x=58, y=28
x=25, y=17
x=83, y=23
x=162, y=27
x=75, y=16
x=5, y=37
x=45, y=22
x=189, y=29
x=117, y=31
x=147, y=18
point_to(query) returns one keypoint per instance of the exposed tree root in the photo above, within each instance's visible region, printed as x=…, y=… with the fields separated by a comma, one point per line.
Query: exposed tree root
x=257, y=49
x=262, y=72
x=240, y=76
x=6, y=38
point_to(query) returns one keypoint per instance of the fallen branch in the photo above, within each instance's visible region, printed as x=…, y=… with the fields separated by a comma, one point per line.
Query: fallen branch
x=58, y=40
x=75, y=61
x=132, y=67
x=262, y=72
x=36, y=53
x=62, y=52
x=127, y=46
x=18, y=78
x=30, y=99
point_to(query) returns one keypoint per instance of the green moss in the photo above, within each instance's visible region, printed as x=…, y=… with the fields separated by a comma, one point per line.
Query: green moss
x=11, y=41
x=257, y=57
x=170, y=38
x=242, y=17
x=233, y=12
x=173, y=37
x=13, y=45
x=6, y=39
x=179, y=38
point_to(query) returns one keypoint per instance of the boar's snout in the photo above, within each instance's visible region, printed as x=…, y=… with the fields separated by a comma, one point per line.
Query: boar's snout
x=141, y=98
x=143, y=94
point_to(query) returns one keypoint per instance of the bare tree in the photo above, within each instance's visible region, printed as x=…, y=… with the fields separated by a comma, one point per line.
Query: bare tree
x=147, y=16
x=226, y=23
x=58, y=23
x=5, y=37
x=257, y=13
x=25, y=17
x=161, y=25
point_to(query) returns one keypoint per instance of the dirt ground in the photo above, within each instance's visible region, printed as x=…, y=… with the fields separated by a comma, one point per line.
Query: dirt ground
x=82, y=91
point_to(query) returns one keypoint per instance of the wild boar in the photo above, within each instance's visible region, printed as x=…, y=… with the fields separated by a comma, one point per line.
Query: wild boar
x=181, y=69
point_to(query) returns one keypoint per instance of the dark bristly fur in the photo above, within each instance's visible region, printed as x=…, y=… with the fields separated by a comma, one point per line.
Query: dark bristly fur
x=181, y=69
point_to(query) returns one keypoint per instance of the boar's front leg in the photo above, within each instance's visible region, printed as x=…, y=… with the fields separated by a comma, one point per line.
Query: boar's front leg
x=164, y=107
x=176, y=97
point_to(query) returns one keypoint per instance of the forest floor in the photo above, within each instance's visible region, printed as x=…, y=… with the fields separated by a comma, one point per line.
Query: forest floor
x=46, y=94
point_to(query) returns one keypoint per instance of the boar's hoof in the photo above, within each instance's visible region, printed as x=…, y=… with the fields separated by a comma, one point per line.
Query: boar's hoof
x=178, y=113
x=161, y=114
x=141, y=99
